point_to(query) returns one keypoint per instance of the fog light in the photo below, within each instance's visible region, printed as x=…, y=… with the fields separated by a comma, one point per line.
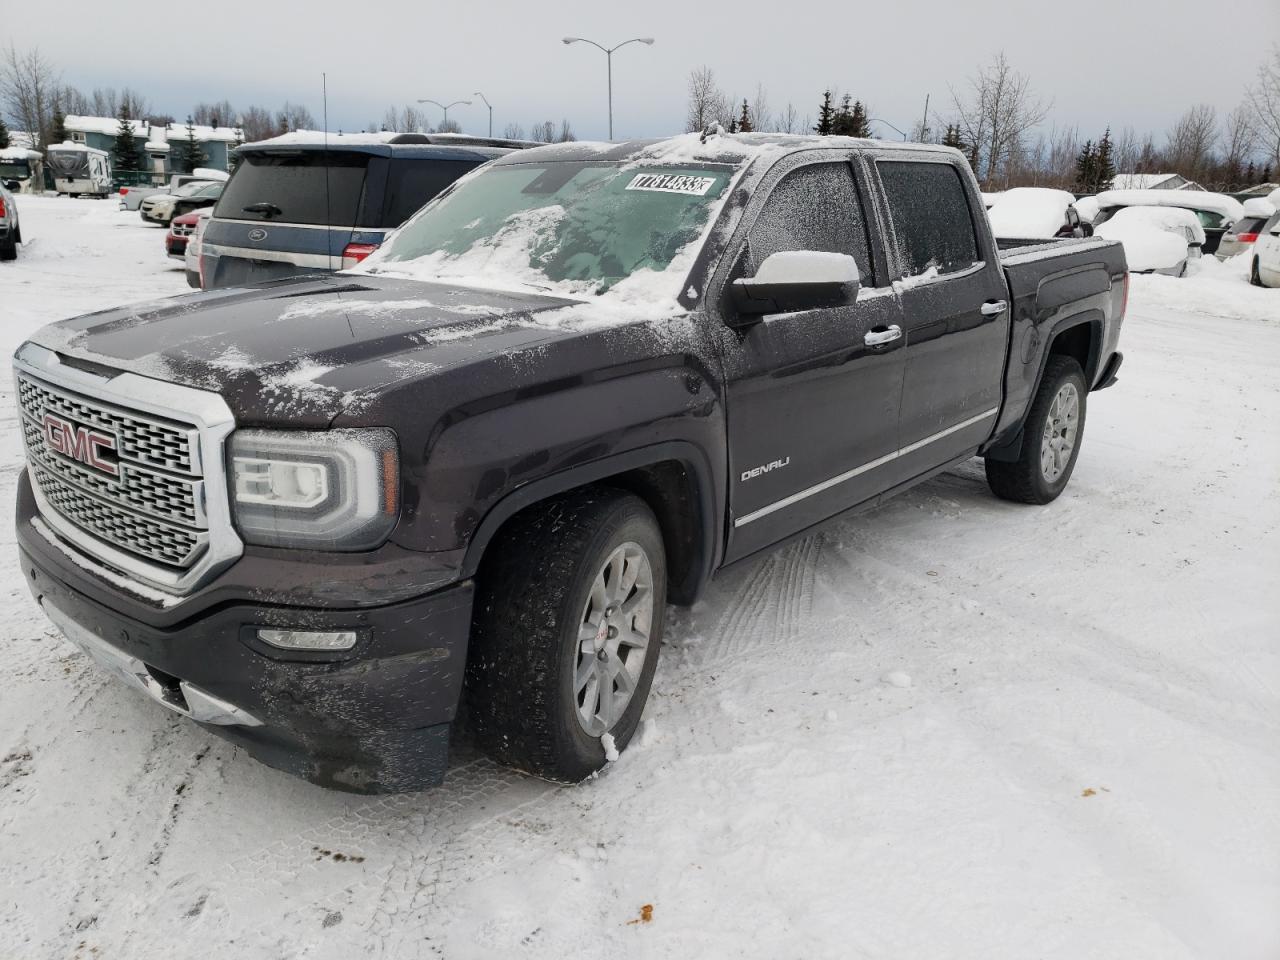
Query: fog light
x=309, y=639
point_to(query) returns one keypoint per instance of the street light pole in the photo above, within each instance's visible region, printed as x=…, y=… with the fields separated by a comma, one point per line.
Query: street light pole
x=887, y=124
x=608, y=54
x=445, y=108
x=490, y=106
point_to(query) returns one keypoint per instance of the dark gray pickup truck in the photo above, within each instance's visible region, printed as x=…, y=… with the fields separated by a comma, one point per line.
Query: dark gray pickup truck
x=326, y=517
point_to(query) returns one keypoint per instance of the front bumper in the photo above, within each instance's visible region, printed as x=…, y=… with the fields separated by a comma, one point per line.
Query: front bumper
x=375, y=721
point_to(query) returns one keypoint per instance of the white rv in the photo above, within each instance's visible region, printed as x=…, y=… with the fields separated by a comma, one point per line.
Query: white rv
x=78, y=169
x=22, y=167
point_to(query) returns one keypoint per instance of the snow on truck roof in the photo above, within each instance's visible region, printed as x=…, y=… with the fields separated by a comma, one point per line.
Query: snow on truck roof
x=1218, y=203
x=723, y=148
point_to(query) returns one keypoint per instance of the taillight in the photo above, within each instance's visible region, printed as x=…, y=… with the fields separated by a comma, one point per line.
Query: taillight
x=1, y=206
x=355, y=252
x=124, y=191
x=1246, y=237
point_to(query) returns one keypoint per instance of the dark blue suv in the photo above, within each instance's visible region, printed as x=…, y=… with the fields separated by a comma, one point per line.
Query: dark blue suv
x=296, y=204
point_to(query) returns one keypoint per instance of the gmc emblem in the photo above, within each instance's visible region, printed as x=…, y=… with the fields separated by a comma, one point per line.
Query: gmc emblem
x=80, y=443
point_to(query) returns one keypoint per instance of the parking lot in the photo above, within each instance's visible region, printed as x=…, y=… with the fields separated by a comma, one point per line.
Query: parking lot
x=951, y=727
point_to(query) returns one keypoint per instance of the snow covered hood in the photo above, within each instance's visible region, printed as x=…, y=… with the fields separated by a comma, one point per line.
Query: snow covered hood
x=305, y=349
x=1030, y=212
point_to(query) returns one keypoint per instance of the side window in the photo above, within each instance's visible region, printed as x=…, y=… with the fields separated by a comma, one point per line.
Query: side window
x=414, y=182
x=930, y=216
x=815, y=207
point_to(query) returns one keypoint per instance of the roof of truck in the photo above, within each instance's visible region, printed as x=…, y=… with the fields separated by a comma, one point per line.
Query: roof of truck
x=713, y=147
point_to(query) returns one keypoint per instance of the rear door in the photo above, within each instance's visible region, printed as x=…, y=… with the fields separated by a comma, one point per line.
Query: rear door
x=812, y=408
x=285, y=212
x=955, y=314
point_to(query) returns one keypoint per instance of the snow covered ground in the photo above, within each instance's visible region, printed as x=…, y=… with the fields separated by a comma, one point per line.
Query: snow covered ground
x=953, y=727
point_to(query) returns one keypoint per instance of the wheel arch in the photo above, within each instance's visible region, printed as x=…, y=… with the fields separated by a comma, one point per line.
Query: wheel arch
x=674, y=478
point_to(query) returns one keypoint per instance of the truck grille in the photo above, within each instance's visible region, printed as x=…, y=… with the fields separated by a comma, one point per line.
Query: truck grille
x=154, y=507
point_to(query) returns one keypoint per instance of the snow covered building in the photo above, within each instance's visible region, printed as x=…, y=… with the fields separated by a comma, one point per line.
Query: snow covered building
x=1153, y=181
x=156, y=142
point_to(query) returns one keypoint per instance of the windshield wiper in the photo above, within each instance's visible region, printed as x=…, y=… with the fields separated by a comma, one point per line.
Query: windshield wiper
x=264, y=208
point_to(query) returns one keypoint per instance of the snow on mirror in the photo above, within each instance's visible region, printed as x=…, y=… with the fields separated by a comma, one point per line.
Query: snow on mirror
x=807, y=266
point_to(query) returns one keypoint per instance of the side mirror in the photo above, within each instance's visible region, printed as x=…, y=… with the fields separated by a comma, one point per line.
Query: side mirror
x=1086, y=229
x=797, y=280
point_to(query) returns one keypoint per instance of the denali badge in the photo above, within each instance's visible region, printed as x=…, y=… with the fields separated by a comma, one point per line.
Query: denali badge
x=756, y=471
x=80, y=443
x=257, y=234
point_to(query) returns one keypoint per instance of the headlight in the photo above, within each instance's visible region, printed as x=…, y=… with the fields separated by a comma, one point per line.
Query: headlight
x=327, y=489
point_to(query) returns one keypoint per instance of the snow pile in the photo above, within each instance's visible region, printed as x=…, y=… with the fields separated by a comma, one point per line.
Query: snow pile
x=1030, y=213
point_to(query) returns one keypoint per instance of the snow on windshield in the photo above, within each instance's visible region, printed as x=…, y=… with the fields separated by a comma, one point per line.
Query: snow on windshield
x=579, y=229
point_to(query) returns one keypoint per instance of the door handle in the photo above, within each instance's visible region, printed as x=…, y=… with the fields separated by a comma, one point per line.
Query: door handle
x=993, y=308
x=879, y=336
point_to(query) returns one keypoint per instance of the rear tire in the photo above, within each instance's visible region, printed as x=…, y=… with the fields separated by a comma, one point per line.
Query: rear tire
x=1050, y=441
x=9, y=249
x=1255, y=277
x=570, y=595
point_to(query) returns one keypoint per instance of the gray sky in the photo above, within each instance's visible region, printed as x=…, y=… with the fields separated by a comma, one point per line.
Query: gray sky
x=1117, y=62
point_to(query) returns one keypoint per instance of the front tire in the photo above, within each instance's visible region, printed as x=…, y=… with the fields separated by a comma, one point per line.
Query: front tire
x=567, y=628
x=1051, y=438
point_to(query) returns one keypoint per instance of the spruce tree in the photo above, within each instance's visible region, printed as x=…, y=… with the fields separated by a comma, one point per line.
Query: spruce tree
x=744, y=121
x=58, y=129
x=1104, y=167
x=842, y=122
x=826, y=116
x=233, y=159
x=1086, y=167
x=190, y=155
x=4, y=135
x=952, y=137
x=124, y=156
x=860, y=125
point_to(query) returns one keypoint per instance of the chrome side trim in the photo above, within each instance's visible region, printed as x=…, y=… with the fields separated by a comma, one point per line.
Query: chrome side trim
x=213, y=421
x=188, y=700
x=276, y=256
x=858, y=471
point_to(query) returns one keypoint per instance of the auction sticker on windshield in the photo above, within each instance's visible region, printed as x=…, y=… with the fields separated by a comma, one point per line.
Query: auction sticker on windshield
x=672, y=183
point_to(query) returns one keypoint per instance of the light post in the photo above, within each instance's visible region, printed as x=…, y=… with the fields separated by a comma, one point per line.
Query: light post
x=887, y=124
x=608, y=52
x=445, y=108
x=490, y=106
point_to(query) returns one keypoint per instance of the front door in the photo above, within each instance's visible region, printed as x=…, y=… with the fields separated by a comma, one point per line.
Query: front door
x=812, y=408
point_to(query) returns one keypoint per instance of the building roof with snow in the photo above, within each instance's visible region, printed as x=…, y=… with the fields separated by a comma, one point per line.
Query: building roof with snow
x=1153, y=181
x=154, y=133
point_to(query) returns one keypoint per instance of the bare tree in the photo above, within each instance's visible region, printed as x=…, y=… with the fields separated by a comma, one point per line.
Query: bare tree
x=257, y=124
x=1264, y=107
x=219, y=114
x=995, y=115
x=294, y=116
x=761, y=115
x=707, y=102
x=447, y=126
x=789, y=120
x=566, y=132
x=1239, y=142
x=513, y=131
x=409, y=120
x=28, y=88
x=1191, y=142
x=544, y=132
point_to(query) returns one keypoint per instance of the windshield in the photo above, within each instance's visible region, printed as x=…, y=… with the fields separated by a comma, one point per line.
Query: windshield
x=190, y=189
x=14, y=169
x=580, y=226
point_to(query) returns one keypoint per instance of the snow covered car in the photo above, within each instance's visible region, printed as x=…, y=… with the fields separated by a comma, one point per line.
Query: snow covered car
x=1216, y=211
x=131, y=197
x=1265, y=269
x=163, y=207
x=10, y=231
x=1156, y=239
x=22, y=170
x=1036, y=213
x=1244, y=232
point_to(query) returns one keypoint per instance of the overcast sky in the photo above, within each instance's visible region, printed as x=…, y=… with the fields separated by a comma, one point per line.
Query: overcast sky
x=1117, y=62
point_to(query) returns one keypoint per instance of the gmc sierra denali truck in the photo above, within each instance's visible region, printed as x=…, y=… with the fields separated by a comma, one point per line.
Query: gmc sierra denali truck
x=319, y=515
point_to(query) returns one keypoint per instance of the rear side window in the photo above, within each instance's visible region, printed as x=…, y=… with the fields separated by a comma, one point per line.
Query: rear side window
x=1247, y=225
x=296, y=185
x=815, y=207
x=930, y=216
x=413, y=182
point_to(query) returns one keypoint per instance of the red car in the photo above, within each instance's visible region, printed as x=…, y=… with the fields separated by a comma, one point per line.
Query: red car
x=180, y=231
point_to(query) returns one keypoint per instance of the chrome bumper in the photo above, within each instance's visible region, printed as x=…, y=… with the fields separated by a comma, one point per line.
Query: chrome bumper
x=184, y=698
